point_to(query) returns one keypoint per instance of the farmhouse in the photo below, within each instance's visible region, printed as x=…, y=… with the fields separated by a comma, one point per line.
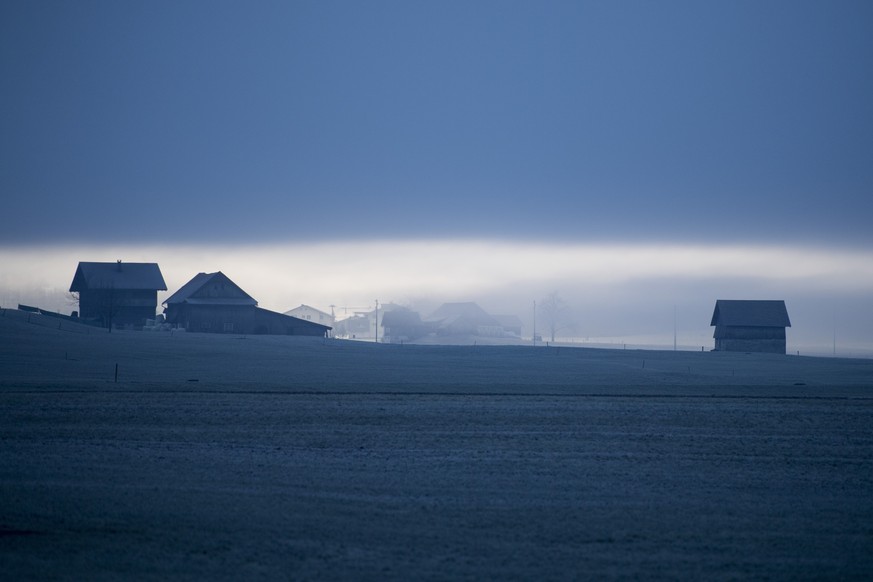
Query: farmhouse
x=212, y=303
x=310, y=313
x=118, y=294
x=750, y=326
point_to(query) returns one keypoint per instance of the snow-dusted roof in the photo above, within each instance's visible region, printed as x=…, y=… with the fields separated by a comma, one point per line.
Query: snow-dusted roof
x=750, y=313
x=188, y=293
x=118, y=275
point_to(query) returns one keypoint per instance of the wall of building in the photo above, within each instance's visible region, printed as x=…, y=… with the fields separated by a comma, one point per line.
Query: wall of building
x=750, y=339
x=239, y=319
x=750, y=345
x=212, y=318
x=121, y=307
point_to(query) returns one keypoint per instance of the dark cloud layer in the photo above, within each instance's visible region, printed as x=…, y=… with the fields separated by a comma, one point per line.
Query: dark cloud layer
x=717, y=122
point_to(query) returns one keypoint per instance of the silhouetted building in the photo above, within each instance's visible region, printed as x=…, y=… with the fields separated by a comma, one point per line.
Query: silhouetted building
x=750, y=326
x=212, y=303
x=403, y=325
x=118, y=294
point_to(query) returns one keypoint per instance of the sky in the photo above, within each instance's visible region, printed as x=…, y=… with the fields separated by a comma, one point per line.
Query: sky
x=440, y=143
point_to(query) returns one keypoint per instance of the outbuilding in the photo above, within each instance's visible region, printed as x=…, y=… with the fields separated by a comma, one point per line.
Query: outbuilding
x=118, y=294
x=750, y=325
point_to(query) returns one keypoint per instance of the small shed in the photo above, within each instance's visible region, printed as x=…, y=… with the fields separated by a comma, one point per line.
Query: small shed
x=750, y=325
x=118, y=294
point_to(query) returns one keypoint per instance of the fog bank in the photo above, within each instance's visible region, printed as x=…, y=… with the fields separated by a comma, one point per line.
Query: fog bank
x=614, y=291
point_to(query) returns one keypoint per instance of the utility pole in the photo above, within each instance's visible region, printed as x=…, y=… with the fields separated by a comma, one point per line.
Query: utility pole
x=377, y=321
x=535, y=324
x=674, y=328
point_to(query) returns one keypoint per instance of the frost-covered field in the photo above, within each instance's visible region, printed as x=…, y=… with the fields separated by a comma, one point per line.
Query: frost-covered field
x=279, y=457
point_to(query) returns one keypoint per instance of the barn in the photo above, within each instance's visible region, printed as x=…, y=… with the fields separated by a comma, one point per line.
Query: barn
x=118, y=294
x=750, y=326
x=212, y=303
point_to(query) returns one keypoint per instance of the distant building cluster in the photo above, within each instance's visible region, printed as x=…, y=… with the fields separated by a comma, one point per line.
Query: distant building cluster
x=398, y=324
x=125, y=295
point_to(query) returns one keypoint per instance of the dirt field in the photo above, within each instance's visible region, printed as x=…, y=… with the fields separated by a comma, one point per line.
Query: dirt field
x=304, y=459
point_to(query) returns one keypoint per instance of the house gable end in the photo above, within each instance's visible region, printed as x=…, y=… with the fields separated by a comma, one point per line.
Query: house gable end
x=219, y=286
x=211, y=288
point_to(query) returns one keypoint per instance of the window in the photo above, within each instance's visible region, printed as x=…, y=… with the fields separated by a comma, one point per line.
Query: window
x=228, y=326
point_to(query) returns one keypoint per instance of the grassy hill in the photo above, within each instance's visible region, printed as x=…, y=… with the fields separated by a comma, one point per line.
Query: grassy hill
x=39, y=351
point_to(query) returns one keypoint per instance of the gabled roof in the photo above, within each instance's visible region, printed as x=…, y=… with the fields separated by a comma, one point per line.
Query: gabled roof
x=757, y=313
x=118, y=275
x=193, y=293
x=189, y=288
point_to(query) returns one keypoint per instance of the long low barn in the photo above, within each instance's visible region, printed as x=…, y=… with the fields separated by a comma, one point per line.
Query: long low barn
x=212, y=303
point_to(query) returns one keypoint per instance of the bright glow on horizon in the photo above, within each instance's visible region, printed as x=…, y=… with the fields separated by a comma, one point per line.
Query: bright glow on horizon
x=283, y=276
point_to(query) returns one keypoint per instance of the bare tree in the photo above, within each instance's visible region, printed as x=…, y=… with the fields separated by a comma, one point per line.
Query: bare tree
x=557, y=315
x=73, y=299
x=102, y=304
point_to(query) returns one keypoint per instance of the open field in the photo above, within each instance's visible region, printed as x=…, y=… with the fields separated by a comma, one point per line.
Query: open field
x=282, y=457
